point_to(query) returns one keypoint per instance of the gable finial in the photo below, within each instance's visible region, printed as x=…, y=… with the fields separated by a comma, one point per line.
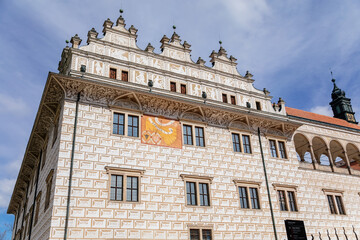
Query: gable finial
x=121, y=11
x=220, y=42
x=174, y=27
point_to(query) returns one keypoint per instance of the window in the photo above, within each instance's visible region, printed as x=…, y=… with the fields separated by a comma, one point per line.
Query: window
x=237, y=146
x=183, y=88
x=236, y=142
x=334, y=198
x=124, y=184
x=258, y=105
x=273, y=148
x=43, y=156
x=124, y=76
x=199, y=136
x=56, y=128
x=197, y=190
x=37, y=208
x=233, y=100
x=205, y=234
x=287, y=198
x=112, y=73
x=127, y=128
x=173, y=86
x=188, y=135
x=248, y=194
x=49, y=181
x=224, y=98
x=282, y=149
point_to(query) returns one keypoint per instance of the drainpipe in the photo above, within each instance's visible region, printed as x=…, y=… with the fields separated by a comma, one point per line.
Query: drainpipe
x=267, y=186
x=35, y=193
x=71, y=167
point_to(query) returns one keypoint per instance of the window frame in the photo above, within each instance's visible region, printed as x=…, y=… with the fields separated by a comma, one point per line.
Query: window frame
x=197, y=180
x=232, y=97
x=201, y=228
x=333, y=194
x=173, y=83
x=126, y=123
x=224, y=98
x=193, y=133
x=122, y=72
x=241, y=142
x=248, y=185
x=125, y=172
x=49, y=183
x=258, y=105
x=37, y=208
x=116, y=72
x=287, y=189
x=181, y=88
x=277, y=147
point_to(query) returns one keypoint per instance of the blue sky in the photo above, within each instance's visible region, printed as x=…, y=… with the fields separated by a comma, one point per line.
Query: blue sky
x=288, y=46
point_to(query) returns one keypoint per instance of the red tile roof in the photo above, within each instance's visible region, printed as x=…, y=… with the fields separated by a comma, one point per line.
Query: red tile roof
x=320, y=118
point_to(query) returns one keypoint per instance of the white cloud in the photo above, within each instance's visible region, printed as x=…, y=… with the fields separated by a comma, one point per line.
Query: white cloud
x=7, y=186
x=9, y=104
x=323, y=110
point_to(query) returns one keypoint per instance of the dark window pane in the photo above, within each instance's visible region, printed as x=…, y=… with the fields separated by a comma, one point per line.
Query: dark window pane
x=258, y=105
x=116, y=187
x=204, y=194
x=113, y=73
x=199, y=136
x=233, y=100
x=187, y=132
x=191, y=193
x=331, y=204
x=194, y=234
x=273, y=148
x=133, y=126
x=132, y=187
x=244, y=202
x=206, y=234
x=340, y=205
x=282, y=200
x=172, y=86
x=124, y=76
x=282, y=150
x=246, y=143
x=254, y=196
x=236, y=142
x=119, y=123
x=224, y=98
x=183, y=88
x=292, y=201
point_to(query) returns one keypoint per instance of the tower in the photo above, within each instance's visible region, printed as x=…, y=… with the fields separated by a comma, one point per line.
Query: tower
x=341, y=105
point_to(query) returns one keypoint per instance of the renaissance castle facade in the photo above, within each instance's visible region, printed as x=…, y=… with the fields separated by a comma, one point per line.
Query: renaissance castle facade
x=130, y=144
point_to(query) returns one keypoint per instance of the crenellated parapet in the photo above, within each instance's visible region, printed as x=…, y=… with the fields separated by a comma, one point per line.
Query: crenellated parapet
x=118, y=51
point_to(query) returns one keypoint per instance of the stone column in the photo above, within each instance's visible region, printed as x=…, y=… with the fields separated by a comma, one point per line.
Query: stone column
x=347, y=162
x=330, y=159
x=312, y=156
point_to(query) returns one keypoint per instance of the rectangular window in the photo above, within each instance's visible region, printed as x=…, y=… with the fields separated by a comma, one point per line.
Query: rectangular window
x=204, y=194
x=236, y=142
x=273, y=149
x=133, y=126
x=49, y=181
x=254, y=197
x=340, y=205
x=200, y=234
x=116, y=187
x=206, y=234
x=119, y=123
x=331, y=204
x=124, y=76
x=187, y=132
x=124, y=184
x=258, y=105
x=233, y=100
x=224, y=98
x=282, y=200
x=173, y=86
x=191, y=193
x=112, y=73
x=183, y=88
x=244, y=203
x=43, y=156
x=132, y=189
x=37, y=208
x=292, y=201
x=199, y=136
x=282, y=150
x=246, y=143
x=194, y=234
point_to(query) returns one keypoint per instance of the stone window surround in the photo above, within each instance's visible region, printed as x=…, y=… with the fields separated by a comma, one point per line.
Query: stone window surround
x=248, y=184
x=197, y=179
x=126, y=113
x=334, y=192
x=49, y=179
x=286, y=188
x=119, y=71
x=241, y=133
x=193, y=124
x=37, y=208
x=125, y=172
x=200, y=228
x=277, y=139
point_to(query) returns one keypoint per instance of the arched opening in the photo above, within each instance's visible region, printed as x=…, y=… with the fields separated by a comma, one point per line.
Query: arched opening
x=353, y=156
x=320, y=151
x=302, y=147
x=337, y=153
